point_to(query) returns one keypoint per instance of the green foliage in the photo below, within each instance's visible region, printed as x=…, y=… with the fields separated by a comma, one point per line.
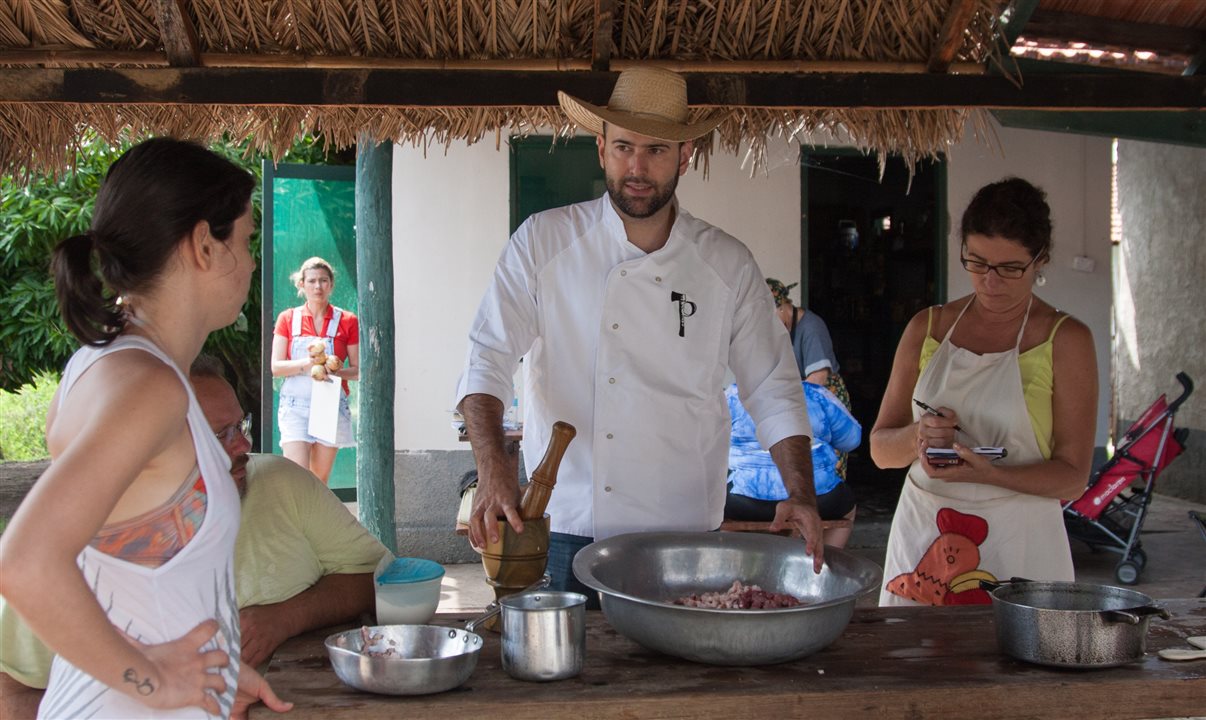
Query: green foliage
x=36, y=214
x=23, y=419
x=33, y=218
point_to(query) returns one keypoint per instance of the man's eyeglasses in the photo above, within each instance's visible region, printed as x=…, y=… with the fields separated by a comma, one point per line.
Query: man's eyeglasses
x=227, y=434
x=1009, y=272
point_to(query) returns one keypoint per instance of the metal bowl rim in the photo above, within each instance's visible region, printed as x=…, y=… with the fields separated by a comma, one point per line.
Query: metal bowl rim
x=473, y=644
x=1043, y=586
x=594, y=583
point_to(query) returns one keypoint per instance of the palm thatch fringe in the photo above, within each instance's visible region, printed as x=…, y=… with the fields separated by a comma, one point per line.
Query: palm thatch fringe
x=43, y=136
x=46, y=136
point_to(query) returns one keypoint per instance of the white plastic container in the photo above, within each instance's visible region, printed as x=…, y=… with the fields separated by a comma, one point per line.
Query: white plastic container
x=408, y=590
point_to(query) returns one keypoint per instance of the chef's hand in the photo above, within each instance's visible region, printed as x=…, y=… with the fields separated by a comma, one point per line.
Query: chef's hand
x=254, y=688
x=934, y=431
x=497, y=496
x=794, y=512
x=974, y=468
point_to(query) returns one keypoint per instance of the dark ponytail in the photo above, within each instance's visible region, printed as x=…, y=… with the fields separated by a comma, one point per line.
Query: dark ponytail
x=152, y=198
x=91, y=317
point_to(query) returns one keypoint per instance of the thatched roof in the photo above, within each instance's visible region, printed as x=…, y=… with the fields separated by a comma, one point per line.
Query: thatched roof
x=419, y=71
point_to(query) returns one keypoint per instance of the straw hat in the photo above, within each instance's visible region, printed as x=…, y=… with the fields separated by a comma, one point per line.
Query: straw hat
x=646, y=100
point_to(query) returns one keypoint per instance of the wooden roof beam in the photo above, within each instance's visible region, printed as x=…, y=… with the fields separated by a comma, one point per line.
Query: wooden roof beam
x=1072, y=27
x=950, y=38
x=493, y=88
x=179, y=36
x=605, y=17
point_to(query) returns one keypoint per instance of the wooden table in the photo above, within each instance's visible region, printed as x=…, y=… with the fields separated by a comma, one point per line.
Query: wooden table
x=895, y=663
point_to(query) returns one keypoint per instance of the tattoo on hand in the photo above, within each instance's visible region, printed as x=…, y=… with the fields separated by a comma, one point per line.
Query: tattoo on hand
x=144, y=686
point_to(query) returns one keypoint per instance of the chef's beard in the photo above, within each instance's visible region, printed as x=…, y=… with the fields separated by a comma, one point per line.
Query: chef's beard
x=640, y=208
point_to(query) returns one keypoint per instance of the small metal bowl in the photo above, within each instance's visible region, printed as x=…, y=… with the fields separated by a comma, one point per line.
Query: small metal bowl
x=427, y=659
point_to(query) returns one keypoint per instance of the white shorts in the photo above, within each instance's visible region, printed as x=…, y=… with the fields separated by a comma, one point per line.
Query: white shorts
x=293, y=419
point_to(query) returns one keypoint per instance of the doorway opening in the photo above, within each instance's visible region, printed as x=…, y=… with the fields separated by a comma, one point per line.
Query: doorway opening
x=873, y=254
x=308, y=210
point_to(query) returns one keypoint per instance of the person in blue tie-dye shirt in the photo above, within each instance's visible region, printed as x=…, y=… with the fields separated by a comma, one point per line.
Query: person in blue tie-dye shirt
x=754, y=482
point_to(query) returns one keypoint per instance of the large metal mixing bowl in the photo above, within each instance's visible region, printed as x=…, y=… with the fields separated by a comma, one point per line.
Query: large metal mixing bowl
x=427, y=659
x=639, y=575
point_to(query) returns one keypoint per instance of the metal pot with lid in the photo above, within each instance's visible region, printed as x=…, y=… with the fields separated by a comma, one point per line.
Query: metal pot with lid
x=1071, y=625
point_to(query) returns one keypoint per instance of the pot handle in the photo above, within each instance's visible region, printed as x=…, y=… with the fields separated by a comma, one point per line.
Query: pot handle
x=990, y=585
x=1132, y=616
x=491, y=610
x=494, y=608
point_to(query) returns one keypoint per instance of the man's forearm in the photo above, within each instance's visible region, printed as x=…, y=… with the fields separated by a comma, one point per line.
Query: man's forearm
x=333, y=599
x=793, y=457
x=483, y=423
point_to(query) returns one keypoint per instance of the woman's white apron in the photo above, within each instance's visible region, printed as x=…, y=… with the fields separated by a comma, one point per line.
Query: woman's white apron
x=947, y=536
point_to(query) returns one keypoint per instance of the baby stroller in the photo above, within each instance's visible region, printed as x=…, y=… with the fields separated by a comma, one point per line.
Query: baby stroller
x=1110, y=513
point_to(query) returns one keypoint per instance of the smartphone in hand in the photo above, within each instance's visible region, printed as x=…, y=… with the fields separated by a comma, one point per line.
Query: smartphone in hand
x=941, y=457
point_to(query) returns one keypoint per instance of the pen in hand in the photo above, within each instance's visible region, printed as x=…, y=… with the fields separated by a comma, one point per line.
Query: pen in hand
x=932, y=411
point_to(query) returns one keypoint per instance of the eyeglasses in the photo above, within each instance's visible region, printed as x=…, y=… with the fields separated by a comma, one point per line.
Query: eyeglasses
x=227, y=434
x=1009, y=272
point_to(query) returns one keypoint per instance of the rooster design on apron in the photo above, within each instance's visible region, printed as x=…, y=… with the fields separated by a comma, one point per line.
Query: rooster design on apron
x=947, y=536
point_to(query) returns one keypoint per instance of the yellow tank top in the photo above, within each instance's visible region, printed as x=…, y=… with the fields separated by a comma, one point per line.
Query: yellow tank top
x=1038, y=381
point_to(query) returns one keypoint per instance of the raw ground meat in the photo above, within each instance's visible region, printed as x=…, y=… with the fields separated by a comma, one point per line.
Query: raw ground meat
x=740, y=597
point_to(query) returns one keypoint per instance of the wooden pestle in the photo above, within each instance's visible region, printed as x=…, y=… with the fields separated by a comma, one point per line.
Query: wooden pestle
x=544, y=477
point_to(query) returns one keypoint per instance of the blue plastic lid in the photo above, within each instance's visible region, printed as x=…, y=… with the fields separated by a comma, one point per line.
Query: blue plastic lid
x=410, y=570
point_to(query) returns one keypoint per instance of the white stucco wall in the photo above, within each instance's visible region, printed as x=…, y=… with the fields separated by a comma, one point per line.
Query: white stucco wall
x=1161, y=289
x=450, y=224
x=451, y=220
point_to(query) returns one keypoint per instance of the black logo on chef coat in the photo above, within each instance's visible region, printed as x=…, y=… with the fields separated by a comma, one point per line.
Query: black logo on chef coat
x=686, y=309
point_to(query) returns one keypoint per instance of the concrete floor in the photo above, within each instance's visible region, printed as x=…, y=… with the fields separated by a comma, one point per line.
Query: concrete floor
x=1176, y=566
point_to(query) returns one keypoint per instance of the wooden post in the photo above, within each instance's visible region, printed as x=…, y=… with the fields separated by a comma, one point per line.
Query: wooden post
x=375, y=268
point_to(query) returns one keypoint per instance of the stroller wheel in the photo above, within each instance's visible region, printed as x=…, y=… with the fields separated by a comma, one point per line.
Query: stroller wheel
x=1127, y=572
x=1139, y=557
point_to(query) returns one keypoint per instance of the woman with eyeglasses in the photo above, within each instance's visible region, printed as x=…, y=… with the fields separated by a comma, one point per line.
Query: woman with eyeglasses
x=121, y=556
x=999, y=367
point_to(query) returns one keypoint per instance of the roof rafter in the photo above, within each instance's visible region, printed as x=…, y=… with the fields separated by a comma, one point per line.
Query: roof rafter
x=179, y=36
x=950, y=38
x=605, y=16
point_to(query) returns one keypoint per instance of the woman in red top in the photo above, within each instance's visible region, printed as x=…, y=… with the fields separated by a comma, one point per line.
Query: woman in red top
x=296, y=330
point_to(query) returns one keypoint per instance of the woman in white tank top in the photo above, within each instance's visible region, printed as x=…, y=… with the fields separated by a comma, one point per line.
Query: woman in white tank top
x=169, y=235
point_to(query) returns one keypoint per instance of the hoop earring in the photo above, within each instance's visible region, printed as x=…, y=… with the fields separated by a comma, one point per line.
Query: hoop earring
x=1040, y=279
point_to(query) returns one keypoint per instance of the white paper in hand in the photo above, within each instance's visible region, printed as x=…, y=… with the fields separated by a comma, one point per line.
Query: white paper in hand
x=324, y=409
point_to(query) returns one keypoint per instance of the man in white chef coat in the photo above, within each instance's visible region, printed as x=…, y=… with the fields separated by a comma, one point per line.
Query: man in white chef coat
x=631, y=312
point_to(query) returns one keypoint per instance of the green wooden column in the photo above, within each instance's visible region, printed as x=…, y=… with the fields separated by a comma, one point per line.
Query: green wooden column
x=375, y=266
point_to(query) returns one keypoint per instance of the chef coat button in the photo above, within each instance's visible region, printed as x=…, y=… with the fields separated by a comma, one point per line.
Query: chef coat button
x=623, y=273
x=658, y=278
x=607, y=488
x=610, y=436
x=611, y=380
x=615, y=326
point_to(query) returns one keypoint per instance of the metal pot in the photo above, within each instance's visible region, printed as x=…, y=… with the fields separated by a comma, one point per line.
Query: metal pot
x=1072, y=625
x=639, y=576
x=543, y=634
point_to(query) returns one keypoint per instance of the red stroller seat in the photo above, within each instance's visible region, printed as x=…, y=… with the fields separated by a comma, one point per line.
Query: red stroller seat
x=1107, y=515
